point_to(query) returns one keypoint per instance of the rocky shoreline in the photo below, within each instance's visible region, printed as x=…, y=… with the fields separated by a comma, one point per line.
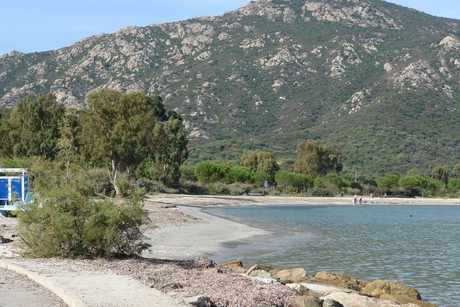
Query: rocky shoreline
x=202, y=282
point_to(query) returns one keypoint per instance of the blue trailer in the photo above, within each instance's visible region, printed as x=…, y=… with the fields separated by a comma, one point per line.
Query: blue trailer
x=14, y=188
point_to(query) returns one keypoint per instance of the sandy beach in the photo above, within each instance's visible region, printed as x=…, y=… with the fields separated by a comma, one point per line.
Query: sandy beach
x=227, y=200
x=202, y=237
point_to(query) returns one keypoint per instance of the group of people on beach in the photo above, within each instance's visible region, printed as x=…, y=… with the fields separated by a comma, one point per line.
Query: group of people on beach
x=357, y=200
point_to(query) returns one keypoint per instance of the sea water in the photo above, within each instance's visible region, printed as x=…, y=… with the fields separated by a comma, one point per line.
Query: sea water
x=417, y=245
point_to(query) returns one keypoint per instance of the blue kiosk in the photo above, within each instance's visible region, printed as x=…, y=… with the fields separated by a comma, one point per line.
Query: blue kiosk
x=13, y=189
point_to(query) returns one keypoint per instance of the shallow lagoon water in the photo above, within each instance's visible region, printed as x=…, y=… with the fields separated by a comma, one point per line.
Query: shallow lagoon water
x=417, y=245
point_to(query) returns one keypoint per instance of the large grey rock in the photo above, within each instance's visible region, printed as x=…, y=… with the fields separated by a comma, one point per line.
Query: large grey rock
x=356, y=300
x=379, y=287
x=320, y=289
x=260, y=274
x=400, y=299
x=340, y=280
x=304, y=291
x=291, y=275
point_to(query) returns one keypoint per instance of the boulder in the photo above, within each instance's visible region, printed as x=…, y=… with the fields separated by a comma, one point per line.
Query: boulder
x=260, y=267
x=354, y=300
x=271, y=281
x=319, y=289
x=340, y=280
x=260, y=274
x=235, y=265
x=331, y=303
x=379, y=287
x=304, y=291
x=291, y=276
x=307, y=301
x=404, y=300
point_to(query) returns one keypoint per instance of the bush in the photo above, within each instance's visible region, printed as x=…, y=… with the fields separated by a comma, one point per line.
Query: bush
x=66, y=223
x=207, y=172
x=239, y=188
x=238, y=174
x=454, y=185
x=258, y=178
x=415, y=181
x=93, y=182
x=389, y=181
x=292, y=182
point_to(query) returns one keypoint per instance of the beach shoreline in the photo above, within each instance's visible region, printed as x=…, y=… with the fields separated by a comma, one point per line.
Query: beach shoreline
x=204, y=234
x=229, y=200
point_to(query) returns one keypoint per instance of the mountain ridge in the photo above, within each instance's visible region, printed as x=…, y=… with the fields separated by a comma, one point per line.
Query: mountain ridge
x=365, y=75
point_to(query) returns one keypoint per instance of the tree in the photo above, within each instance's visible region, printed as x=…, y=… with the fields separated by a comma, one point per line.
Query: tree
x=411, y=182
x=456, y=171
x=119, y=131
x=388, y=181
x=33, y=127
x=260, y=161
x=441, y=173
x=170, y=149
x=68, y=157
x=291, y=181
x=315, y=161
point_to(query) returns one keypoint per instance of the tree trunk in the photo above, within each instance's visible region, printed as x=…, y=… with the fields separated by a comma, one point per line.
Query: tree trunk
x=113, y=174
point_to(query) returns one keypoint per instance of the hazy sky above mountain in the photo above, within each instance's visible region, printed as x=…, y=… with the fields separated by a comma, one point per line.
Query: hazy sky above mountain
x=32, y=25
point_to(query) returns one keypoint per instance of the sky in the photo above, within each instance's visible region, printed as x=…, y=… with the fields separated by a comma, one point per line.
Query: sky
x=41, y=25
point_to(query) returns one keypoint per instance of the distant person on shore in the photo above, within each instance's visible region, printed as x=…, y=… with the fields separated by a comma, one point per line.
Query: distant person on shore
x=360, y=199
x=355, y=199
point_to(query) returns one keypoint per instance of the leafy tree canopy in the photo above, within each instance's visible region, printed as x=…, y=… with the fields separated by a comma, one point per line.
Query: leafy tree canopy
x=260, y=161
x=315, y=160
x=122, y=130
x=32, y=128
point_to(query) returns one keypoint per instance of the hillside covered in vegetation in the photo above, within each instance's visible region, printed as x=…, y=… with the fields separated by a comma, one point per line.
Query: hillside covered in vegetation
x=378, y=81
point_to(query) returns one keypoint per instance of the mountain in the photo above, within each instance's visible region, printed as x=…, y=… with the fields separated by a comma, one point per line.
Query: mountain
x=379, y=81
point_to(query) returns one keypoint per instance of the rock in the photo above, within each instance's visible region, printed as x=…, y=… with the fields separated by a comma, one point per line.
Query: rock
x=403, y=300
x=199, y=301
x=331, y=303
x=304, y=291
x=235, y=265
x=269, y=281
x=354, y=299
x=260, y=274
x=291, y=275
x=340, y=280
x=380, y=287
x=307, y=301
x=322, y=290
x=261, y=267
